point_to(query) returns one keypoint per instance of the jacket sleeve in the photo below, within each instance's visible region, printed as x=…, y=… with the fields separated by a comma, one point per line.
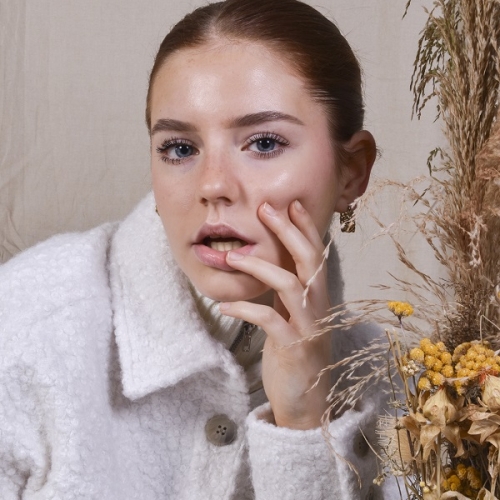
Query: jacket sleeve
x=311, y=465
x=317, y=465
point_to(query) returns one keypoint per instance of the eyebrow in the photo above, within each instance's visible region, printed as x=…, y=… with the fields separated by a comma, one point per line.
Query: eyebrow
x=168, y=124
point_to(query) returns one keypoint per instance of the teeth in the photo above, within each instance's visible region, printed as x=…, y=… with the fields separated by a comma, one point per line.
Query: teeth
x=225, y=246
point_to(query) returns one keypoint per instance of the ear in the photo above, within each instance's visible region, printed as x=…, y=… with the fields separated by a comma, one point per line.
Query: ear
x=361, y=152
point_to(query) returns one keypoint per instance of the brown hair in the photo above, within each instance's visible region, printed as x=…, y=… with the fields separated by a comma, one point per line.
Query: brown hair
x=311, y=43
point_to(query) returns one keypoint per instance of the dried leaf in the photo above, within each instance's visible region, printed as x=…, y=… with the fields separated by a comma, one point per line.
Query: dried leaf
x=428, y=435
x=484, y=494
x=452, y=434
x=410, y=423
x=440, y=409
x=484, y=428
x=491, y=390
x=453, y=495
x=494, y=439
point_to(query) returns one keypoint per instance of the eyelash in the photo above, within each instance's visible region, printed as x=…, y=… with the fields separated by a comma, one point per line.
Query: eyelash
x=268, y=135
x=175, y=141
x=168, y=143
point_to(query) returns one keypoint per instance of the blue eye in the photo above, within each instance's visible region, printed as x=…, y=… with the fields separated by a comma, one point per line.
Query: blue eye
x=183, y=150
x=266, y=144
x=176, y=150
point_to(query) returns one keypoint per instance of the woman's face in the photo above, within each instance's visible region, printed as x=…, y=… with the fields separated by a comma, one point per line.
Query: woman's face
x=233, y=127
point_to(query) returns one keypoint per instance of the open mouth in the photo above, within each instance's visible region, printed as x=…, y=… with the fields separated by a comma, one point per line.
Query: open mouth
x=223, y=244
x=213, y=241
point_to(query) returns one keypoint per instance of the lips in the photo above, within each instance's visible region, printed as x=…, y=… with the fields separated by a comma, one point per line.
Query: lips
x=214, y=241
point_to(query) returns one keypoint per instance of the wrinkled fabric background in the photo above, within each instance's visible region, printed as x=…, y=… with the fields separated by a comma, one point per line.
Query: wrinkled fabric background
x=74, y=149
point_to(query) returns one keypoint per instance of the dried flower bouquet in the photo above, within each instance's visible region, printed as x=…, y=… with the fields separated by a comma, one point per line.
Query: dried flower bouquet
x=441, y=432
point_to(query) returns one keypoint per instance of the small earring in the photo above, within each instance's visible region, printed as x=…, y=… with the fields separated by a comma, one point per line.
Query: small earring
x=156, y=210
x=347, y=220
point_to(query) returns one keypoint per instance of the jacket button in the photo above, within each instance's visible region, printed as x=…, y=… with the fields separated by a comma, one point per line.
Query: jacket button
x=220, y=430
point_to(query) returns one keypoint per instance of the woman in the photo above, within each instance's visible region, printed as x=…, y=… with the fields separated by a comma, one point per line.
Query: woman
x=131, y=361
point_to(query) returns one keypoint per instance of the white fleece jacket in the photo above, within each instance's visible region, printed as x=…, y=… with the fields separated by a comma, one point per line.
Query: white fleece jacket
x=108, y=377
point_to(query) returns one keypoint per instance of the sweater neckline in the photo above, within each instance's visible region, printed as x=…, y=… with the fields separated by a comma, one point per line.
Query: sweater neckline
x=226, y=330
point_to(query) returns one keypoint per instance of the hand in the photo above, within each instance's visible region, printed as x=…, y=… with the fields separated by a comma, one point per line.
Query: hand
x=288, y=373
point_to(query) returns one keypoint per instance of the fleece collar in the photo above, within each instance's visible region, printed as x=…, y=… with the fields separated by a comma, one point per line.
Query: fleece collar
x=160, y=336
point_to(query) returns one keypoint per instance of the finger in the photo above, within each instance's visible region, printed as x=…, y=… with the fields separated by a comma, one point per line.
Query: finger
x=303, y=241
x=275, y=326
x=285, y=284
x=317, y=290
x=306, y=255
x=304, y=223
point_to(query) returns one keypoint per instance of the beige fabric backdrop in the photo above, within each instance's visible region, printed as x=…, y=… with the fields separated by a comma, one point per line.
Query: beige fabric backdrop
x=73, y=144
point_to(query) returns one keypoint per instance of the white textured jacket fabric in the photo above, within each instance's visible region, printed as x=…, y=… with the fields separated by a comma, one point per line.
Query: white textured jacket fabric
x=108, y=377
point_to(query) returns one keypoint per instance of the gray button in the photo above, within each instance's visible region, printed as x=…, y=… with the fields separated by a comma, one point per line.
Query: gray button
x=220, y=430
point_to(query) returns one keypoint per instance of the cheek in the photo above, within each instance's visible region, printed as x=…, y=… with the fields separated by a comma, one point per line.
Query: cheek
x=173, y=196
x=315, y=188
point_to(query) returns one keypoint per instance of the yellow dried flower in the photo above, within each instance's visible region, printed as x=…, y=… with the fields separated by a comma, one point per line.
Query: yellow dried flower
x=436, y=378
x=454, y=482
x=448, y=371
x=471, y=355
x=461, y=471
x=424, y=384
x=437, y=366
x=417, y=355
x=445, y=358
x=474, y=478
x=470, y=365
x=460, y=350
x=400, y=308
x=441, y=346
x=480, y=349
x=429, y=361
x=490, y=361
x=430, y=350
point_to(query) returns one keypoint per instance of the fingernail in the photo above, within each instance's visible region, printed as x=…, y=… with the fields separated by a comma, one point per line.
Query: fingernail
x=224, y=306
x=235, y=256
x=269, y=209
x=299, y=206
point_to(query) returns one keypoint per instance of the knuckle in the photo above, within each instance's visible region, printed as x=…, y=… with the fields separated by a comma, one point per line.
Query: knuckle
x=291, y=283
x=268, y=316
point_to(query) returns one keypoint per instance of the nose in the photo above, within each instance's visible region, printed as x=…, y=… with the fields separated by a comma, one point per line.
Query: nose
x=218, y=183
